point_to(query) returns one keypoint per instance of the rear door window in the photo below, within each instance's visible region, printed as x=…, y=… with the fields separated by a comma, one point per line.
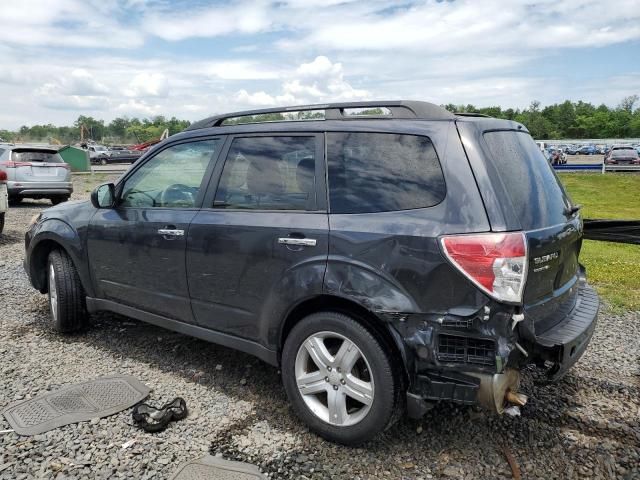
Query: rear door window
x=382, y=172
x=531, y=184
x=269, y=173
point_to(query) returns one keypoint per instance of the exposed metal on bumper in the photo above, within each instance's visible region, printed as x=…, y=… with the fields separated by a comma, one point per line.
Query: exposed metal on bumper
x=494, y=388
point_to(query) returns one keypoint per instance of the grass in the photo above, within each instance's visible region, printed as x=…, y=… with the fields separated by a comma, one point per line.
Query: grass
x=613, y=268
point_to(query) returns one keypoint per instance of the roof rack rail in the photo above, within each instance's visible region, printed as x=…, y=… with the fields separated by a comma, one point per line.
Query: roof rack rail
x=399, y=109
x=471, y=114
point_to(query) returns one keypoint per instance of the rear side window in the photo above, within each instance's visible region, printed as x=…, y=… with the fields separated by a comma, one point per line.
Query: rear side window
x=35, y=156
x=382, y=172
x=531, y=184
x=269, y=173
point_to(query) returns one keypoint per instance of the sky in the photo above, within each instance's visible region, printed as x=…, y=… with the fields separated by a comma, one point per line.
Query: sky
x=193, y=58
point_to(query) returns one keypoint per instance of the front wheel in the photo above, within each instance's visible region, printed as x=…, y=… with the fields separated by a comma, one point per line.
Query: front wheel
x=67, y=300
x=339, y=378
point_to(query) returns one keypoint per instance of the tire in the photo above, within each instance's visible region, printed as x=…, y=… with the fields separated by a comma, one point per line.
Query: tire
x=59, y=199
x=374, y=369
x=103, y=161
x=1, y=222
x=67, y=300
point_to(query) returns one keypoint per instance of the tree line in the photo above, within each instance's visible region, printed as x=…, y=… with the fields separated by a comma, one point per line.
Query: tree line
x=558, y=121
x=570, y=119
x=121, y=130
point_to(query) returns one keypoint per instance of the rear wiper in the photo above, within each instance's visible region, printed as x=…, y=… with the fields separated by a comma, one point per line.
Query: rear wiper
x=568, y=211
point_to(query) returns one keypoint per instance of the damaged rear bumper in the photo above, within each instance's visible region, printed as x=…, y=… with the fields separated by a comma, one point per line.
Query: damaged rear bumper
x=564, y=344
x=476, y=359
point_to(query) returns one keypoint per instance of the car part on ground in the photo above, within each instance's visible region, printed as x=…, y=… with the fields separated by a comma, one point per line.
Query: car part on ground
x=216, y=467
x=620, y=231
x=444, y=242
x=155, y=419
x=98, y=398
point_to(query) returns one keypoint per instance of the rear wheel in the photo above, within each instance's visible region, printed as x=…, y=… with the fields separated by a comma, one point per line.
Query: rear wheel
x=339, y=378
x=66, y=295
x=59, y=199
x=103, y=161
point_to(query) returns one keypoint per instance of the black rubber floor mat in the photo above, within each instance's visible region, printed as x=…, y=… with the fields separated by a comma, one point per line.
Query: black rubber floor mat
x=98, y=398
x=216, y=468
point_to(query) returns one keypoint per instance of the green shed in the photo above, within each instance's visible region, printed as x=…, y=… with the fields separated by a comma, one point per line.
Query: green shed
x=77, y=158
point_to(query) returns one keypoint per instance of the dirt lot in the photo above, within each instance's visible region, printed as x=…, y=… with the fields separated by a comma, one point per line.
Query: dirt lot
x=587, y=426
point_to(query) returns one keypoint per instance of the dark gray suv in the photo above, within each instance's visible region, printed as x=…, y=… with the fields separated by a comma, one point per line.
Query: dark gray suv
x=386, y=255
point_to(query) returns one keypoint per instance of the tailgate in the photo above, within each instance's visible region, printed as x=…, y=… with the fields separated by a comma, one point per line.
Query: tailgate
x=531, y=190
x=553, y=272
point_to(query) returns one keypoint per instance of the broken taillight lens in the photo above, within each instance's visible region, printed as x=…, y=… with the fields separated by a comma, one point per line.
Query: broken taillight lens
x=495, y=262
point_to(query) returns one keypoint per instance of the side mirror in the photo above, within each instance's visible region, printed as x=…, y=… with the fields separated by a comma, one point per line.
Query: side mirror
x=103, y=196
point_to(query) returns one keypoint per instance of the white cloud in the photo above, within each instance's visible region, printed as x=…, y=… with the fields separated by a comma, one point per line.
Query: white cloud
x=224, y=56
x=317, y=81
x=77, y=89
x=148, y=85
x=221, y=19
x=237, y=70
x=70, y=23
x=136, y=108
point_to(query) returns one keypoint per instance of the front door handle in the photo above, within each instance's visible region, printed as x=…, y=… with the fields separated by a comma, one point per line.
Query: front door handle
x=304, y=242
x=170, y=232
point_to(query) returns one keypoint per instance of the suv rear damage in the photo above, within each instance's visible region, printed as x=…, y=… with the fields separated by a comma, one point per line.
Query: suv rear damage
x=381, y=254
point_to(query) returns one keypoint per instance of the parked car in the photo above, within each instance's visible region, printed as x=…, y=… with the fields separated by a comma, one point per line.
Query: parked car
x=622, y=155
x=35, y=172
x=120, y=155
x=4, y=198
x=98, y=154
x=571, y=150
x=586, y=150
x=378, y=261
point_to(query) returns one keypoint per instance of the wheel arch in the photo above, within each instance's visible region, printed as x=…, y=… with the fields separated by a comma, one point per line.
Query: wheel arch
x=39, y=256
x=330, y=303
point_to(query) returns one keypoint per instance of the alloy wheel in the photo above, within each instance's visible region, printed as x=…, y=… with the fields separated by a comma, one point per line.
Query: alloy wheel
x=334, y=378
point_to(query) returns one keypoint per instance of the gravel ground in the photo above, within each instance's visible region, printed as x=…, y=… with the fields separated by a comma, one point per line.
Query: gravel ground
x=587, y=426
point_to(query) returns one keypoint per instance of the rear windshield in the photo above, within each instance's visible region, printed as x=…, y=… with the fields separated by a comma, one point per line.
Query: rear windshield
x=624, y=152
x=535, y=191
x=35, y=156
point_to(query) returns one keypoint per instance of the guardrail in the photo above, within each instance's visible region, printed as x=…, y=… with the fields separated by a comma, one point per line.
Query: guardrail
x=601, y=167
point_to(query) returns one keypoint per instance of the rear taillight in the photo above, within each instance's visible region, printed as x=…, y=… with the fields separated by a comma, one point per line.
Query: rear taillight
x=3, y=176
x=12, y=164
x=495, y=262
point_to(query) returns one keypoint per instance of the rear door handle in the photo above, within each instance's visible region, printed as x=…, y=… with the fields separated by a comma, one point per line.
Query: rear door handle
x=170, y=232
x=304, y=242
